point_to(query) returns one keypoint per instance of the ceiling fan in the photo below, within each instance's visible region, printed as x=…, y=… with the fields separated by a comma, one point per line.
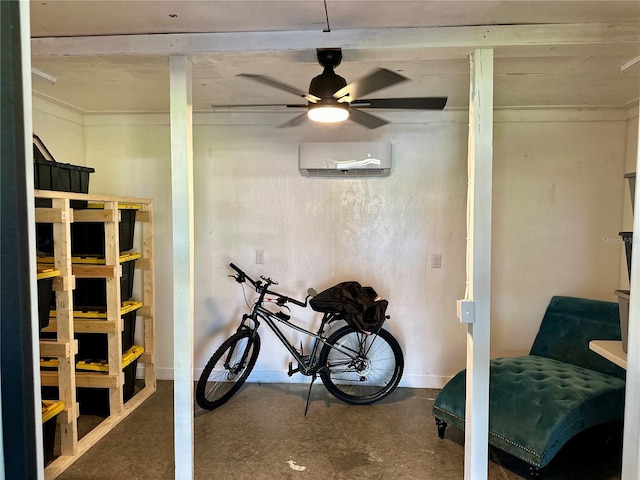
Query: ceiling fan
x=330, y=99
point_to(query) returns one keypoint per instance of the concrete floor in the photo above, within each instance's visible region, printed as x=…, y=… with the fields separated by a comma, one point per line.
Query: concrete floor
x=262, y=433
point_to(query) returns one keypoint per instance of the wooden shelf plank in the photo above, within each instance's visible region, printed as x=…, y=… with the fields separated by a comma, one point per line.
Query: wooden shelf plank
x=49, y=215
x=90, y=197
x=96, y=215
x=143, y=216
x=51, y=348
x=144, y=263
x=84, y=379
x=611, y=350
x=83, y=325
x=96, y=271
x=64, y=283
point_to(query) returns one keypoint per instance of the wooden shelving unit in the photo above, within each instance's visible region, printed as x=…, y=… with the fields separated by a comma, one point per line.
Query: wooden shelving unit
x=61, y=215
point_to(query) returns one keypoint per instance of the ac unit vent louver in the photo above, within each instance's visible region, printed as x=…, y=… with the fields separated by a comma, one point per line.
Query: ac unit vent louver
x=345, y=159
x=363, y=172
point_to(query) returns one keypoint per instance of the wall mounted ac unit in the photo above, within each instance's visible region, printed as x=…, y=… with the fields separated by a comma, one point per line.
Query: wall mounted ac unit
x=345, y=159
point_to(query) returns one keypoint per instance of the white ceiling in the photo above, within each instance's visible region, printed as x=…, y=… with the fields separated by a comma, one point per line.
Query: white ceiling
x=113, y=56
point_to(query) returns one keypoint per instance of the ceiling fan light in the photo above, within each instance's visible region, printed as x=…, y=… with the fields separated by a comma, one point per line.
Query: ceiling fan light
x=328, y=114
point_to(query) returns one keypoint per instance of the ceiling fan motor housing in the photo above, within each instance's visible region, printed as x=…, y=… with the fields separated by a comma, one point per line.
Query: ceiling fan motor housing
x=329, y=57
x=328, y=82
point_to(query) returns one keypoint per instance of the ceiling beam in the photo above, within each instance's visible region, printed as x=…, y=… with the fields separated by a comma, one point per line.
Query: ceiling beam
x=471, y=37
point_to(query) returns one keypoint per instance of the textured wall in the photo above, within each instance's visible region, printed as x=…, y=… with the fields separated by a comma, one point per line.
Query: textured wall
x=558, y=191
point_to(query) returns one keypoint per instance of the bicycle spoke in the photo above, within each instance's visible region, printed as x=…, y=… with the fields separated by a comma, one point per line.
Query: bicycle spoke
x=369, y=374
x=227, y=369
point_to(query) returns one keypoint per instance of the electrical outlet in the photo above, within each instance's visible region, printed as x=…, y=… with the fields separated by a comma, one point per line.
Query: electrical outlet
x=259, y=255
x=436, y=260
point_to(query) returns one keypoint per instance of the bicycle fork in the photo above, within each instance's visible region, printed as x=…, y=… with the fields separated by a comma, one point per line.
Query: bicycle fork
x=239, y=365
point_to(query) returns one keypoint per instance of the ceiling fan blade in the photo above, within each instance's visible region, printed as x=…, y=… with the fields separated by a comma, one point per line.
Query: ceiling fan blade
x=259, y=106
x=295, y=121
x=272, y=82
x=414, y=103
x=378, y=79
x=366, y=119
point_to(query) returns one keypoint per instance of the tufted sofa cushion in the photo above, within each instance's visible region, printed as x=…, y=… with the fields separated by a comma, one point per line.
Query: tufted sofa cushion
x=540, y=401
x=536, y=404
x=569, y=324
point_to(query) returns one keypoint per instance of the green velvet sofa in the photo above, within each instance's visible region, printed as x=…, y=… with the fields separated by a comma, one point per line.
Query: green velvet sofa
x=538, y=402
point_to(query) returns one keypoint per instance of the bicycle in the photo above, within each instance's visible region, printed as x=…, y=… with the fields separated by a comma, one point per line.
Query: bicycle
x=355, y=366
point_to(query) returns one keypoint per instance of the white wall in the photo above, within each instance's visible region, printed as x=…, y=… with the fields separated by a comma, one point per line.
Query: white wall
x=558, y=192
x=318, y=231
x=631, y=159
x=131, y=156
x=61, y=130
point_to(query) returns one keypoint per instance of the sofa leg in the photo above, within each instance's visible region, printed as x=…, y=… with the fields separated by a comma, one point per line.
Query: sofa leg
x=442, y=425
x=536, y=473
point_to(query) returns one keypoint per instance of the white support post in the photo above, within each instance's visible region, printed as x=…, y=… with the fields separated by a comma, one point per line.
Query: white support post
x=631, y=435
x=25, y=58
x=479, y=263
x=181, y=114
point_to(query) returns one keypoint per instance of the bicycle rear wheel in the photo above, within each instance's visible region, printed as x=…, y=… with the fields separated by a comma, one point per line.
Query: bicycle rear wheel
x=227, y=369
x=359, y=368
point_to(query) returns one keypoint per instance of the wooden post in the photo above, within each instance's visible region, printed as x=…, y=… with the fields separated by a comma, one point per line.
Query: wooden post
x=182, y=217
x=64, y=320
x=631, y=439
x=114, y=340
x=148, y=294
x=479, y=263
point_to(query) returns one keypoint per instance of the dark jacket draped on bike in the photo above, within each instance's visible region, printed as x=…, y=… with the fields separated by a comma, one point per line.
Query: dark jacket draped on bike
x=360, y=306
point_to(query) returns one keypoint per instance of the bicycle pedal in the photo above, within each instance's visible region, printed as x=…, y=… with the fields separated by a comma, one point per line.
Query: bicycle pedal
x=292, y=370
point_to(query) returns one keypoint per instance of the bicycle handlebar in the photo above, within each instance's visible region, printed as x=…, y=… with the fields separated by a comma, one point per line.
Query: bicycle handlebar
x=282, y=299
x=241, y=275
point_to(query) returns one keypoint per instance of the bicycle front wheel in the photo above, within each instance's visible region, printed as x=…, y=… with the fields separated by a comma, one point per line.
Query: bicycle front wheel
x=227, y=369
x=360, y=368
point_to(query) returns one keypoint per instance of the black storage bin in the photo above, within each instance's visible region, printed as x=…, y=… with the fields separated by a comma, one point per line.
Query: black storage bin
x=94, y=346
x=50, y=410
x=45, y=299
x=88, y=238
x=627, y=237
x=92, y=292
x=48, y=439
x=61, y=177
x=95, y=401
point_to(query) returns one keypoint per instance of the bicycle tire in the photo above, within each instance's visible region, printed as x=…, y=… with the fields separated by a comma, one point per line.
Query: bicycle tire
x=370, y=375
x=227, y=369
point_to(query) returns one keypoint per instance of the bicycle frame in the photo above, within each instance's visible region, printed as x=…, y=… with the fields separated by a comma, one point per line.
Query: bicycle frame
x=306, y=363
